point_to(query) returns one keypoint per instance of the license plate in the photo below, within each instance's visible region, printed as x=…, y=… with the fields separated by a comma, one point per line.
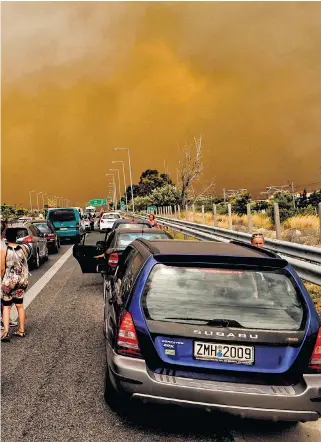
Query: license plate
x=63, y=228
x=235, y=354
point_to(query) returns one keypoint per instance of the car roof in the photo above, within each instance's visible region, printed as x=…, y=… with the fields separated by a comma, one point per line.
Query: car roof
x=149, y=231
x=130, y=221
x=39, y=221
x=208, y=252
x=18, y=225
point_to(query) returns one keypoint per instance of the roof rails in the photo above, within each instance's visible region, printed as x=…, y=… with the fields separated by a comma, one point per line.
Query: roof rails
x=250, y=246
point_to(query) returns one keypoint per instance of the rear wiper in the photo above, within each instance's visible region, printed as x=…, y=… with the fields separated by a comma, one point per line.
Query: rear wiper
x=218, y=322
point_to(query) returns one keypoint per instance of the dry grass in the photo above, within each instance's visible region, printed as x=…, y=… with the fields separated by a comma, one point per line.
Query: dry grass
x=238, y=221
x=315, y=293
x=302, y=222
x=299, y=229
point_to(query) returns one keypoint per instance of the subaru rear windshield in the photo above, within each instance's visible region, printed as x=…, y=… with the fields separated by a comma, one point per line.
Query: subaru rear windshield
x=62, y=215
x=245, y=298
x=126, y=238
x=110, y=216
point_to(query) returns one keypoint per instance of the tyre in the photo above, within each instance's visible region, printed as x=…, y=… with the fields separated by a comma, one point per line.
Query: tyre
x=46, y=257
x=36, y=261
x=56, y=248
x=116, y=400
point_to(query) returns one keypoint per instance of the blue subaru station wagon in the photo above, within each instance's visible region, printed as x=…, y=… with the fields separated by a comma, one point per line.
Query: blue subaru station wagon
x=213, y=325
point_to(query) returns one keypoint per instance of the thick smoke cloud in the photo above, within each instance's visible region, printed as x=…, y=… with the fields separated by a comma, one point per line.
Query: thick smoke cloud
x=79, y=79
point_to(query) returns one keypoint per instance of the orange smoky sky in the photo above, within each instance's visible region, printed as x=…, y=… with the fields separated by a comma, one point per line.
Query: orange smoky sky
x=81, y=78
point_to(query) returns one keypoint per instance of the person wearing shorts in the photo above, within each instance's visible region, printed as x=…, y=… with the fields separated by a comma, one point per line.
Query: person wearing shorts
x=14, y=274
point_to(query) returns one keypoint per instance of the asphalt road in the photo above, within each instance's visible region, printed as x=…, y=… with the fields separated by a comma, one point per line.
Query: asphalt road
x=52, y=381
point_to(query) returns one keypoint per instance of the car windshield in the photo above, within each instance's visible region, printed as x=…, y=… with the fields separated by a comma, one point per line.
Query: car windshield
x=124, y=239
x=253, y=299
x=110, y=216
x=43, y=227
x=62, y=215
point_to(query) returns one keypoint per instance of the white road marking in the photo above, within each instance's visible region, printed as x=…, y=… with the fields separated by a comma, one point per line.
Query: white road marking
x=42, y=282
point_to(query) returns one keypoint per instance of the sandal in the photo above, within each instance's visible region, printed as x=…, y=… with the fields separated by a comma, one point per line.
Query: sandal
x=5, y=337
x=20, y=334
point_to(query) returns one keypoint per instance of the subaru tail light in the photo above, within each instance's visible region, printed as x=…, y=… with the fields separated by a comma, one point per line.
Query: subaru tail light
x=127, y=342
x=113, y=259
x=315, y=361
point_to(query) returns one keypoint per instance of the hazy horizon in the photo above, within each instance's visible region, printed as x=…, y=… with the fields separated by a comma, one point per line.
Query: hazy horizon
x=79, y=79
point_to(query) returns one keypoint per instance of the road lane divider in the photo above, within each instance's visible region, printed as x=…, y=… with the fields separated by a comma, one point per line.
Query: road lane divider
x=38, y=286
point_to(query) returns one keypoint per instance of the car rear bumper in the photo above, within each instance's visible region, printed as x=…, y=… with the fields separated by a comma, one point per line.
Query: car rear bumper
x=301, y=402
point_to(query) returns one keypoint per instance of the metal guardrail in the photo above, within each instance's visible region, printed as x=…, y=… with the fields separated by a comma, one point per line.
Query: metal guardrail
x=305, y=259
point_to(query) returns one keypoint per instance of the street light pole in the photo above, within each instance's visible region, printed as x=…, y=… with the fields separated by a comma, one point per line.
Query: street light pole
x=39, y=193
x=114, y=185
x=125, y=186
x=130, y=173
x=43, y=200
x=118, y=186
x=30, y=192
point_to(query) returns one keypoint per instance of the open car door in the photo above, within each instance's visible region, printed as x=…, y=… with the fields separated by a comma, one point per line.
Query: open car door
x=85, y=255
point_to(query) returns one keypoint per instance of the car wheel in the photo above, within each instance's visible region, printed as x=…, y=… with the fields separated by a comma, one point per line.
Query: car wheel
x=56, y=248
x=36, y=263
x=106, y=288
x=117, y=401
x=46, y=257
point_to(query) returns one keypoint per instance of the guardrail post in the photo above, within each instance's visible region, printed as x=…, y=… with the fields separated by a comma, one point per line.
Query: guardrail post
x=175, y=212
x=203, y=215
x=171, y=210
x=193, y=213
x=277, y=221
x=229, y=208
x=214, y=216
x=320, y=218
x=186, y=208
x=249, y=219
x=179, y=212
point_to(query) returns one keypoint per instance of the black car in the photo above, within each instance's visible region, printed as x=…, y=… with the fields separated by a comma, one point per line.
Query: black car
x=47, y=228
x=112, y=248
x=29, y=234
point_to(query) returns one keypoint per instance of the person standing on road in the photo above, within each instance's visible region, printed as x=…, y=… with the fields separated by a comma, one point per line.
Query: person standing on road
x=4, y=225
x=257, y=240
x=14, y=282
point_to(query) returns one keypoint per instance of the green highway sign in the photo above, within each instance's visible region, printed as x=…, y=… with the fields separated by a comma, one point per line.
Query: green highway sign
x=151, y=209
x=98, y=202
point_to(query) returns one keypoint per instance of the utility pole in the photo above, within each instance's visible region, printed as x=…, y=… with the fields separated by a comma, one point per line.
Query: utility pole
x=293, y=195
x=224, y=196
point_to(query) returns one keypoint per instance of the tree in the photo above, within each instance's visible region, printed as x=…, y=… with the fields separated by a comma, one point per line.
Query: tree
x=302, y=201
x=190, y=167
x=240, y=202
x=315, y=198
x=167, y=195
x=285, y=201
x=151, y=179
x=142, y=202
